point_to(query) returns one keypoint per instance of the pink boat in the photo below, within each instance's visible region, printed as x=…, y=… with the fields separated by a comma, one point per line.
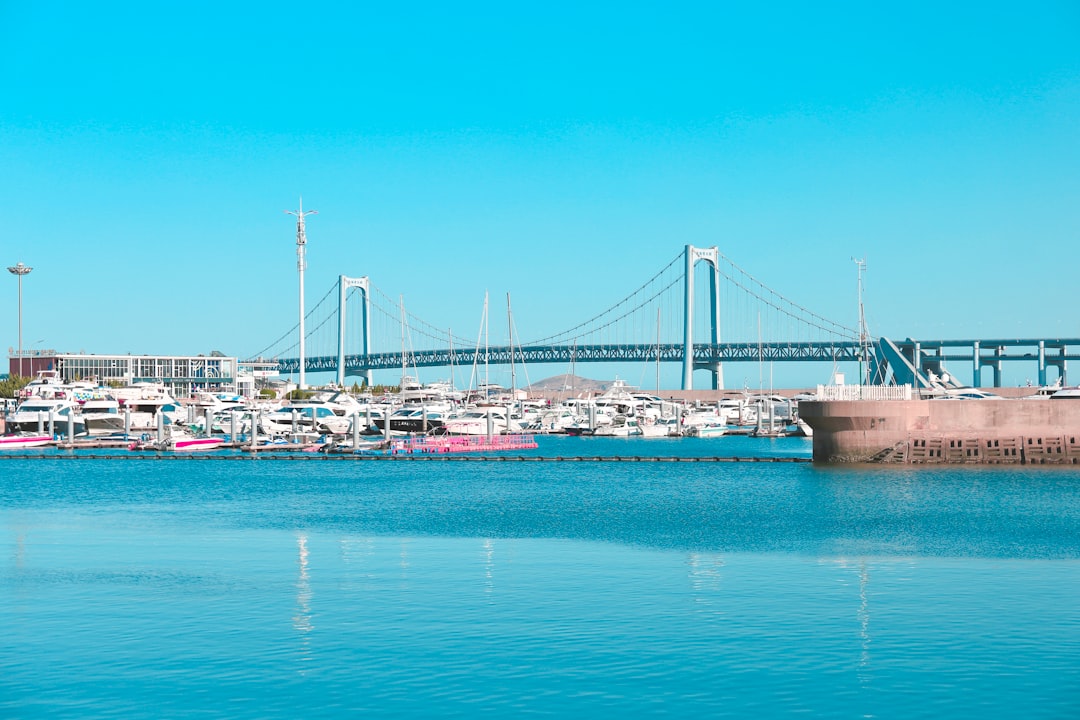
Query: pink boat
x=16, y=442
x=204, y=443
x=179, y=441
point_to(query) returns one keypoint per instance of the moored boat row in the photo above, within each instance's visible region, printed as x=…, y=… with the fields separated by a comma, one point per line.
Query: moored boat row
x=147, y=417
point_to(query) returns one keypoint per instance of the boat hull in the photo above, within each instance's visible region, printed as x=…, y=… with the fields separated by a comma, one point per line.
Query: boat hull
x=197, y=444
x=18, y=442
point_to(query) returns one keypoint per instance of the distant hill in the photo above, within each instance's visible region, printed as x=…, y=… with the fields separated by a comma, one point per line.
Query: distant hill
x=569, y=382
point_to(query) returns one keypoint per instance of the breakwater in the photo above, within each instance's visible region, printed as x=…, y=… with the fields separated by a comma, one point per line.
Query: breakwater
x=406, y=458
x=1021, y=431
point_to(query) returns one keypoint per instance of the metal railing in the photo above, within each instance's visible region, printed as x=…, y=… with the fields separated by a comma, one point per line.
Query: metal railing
x=864, y=392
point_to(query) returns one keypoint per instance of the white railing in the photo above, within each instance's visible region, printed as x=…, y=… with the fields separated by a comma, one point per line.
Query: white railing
x=863, y=392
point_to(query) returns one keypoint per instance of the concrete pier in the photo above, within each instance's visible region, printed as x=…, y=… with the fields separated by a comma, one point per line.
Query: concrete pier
x=1029, y=431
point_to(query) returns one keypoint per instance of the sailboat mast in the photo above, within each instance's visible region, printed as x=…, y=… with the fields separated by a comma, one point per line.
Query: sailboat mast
x=487, y=371
x=401, y=303
x=760, y=358
x=657, y=351
x=510, y=323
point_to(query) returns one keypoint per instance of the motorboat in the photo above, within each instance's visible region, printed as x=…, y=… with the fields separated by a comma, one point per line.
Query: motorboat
x=101, y=416
x=555, y=420
x=706, y=430
x=42, y=415
x=139, y=416
x=415, y=418
x=712, y=420
x=24, y=440
x=482, y=420
x=47, y=384
x=661, y=427
x=620, y=426
x=595, y=418
x=962, y=393
x=178, y=440
x=308, y=416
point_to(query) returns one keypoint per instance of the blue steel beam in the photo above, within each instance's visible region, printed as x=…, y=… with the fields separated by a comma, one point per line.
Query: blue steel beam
x=1055, y=351
x=706, y=355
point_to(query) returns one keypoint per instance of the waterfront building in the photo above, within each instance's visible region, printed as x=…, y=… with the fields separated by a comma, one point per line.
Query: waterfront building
x=182, y=375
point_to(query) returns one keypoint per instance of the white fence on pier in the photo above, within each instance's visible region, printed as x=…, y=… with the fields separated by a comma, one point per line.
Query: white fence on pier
x=864, y=392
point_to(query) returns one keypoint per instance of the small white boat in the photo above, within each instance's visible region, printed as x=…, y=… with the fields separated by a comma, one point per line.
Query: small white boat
x=706, y=430
x=177, y=440
x=662, y=427
x=18, y=442
x=620, y=426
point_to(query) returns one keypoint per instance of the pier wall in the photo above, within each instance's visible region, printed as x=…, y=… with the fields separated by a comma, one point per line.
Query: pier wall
x=1036, y=431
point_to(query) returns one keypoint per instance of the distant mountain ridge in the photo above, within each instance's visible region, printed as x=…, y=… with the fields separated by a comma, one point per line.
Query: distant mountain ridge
x=568, y=382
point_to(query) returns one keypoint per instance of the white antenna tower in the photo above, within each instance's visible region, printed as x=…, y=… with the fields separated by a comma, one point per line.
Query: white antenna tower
x=301, y=265
x=864, y=336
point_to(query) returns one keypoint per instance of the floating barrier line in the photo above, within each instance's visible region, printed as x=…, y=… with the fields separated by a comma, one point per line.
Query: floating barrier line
x=263, y=456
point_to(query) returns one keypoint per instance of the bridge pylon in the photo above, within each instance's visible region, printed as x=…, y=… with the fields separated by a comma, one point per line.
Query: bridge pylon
x=693, y=256
x=344, y=283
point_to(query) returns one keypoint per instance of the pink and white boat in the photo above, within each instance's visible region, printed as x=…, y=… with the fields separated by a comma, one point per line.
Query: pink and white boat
x=17, y=442
x=178, y=440
x=196, y=443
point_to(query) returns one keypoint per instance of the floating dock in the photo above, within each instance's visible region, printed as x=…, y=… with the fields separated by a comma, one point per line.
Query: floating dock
x=442, y=444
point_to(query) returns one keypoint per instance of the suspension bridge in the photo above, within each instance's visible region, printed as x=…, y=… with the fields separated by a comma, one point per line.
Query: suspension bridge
x=700, y=311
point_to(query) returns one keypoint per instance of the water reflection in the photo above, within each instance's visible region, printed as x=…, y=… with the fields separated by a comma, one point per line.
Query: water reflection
x=705, y=581
x=862, y=615
x=864, y=621
x=302, y=619
x=489, y=566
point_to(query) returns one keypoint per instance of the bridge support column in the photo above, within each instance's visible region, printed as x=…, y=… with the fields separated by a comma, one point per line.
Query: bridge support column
x=344, y=283
x=916, y=361
x=1042, y=363
x=976, y=366
x=711, y=256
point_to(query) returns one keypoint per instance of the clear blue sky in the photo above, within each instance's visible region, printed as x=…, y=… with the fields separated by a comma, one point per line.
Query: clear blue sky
x=148, y=150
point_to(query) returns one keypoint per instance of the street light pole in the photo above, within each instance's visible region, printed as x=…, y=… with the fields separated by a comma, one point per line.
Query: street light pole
x=301, y=264
x=20, y=270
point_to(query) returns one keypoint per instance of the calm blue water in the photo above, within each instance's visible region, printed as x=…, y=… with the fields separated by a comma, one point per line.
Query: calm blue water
x=327, y=588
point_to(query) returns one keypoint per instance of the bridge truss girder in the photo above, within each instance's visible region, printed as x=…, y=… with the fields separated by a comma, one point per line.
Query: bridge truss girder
x=932, y=354
x=706, y=356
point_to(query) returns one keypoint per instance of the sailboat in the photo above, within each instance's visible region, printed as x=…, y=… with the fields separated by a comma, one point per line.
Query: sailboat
x=770, y=423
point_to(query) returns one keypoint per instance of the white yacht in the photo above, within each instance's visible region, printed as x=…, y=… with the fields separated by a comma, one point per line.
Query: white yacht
x=308, y=416
x=477, y=421
x=101, y=416
x=420, y=417
x=142, y=415
x=620, y=426
x=36, y=414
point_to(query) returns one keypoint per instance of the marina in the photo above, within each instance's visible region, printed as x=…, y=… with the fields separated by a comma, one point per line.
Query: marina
x=945, y=424
x=418, y=419
x=652, y=579
x=582, y=361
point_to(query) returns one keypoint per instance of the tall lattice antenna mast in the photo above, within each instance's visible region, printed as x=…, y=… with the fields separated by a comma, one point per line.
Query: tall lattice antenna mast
x=864, y=336
x=301, y=265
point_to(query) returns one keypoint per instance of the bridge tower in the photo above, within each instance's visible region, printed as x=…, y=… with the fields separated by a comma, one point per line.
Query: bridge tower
x=344, y=283
x=711, y=256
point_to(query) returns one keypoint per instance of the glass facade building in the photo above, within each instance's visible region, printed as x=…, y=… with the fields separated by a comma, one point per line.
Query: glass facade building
x=184, y=376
